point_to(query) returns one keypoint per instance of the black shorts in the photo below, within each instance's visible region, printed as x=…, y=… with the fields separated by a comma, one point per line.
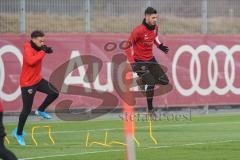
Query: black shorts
x=152, y=69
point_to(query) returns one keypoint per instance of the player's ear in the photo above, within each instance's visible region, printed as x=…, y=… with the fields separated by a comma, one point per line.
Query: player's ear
x=34, y=40
x=146, y=16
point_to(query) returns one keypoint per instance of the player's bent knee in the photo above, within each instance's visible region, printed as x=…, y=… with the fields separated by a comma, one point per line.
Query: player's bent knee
x=56, y=94
x=163, y=80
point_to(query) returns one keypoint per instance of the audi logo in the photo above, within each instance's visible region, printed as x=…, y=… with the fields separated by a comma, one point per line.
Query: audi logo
x=212, y=70
x=8, y=49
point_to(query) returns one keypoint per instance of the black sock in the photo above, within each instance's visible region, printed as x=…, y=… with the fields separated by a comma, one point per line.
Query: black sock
x=150, y=94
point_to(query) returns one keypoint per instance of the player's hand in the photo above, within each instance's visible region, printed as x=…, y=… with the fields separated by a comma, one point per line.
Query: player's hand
x=163, y=48
x=47, y=49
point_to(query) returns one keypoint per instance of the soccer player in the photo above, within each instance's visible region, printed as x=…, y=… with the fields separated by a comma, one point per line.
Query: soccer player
x=4, y=152
x=31, y=82
x=144, y=64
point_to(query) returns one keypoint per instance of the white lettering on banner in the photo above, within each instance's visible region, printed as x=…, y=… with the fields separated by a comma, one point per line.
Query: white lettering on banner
x=4, y=50
x=109, y=85
x=73, y=80
x=79, y=80
x=212, y=73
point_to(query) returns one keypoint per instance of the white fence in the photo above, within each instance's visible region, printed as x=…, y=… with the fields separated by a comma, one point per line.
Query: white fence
x=119, y=16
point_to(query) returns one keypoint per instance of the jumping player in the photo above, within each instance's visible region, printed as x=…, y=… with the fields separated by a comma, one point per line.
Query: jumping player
x=144, y=64
x=31, y=82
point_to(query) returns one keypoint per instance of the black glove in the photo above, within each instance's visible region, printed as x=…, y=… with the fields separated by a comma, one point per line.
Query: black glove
x=163, y=48
x=47, y=49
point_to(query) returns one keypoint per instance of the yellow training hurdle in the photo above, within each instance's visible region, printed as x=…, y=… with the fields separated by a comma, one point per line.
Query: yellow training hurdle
x=49, y=133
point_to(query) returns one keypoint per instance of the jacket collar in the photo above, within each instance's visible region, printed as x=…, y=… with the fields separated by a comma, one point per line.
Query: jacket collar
x=34, y=46
x=147, y=25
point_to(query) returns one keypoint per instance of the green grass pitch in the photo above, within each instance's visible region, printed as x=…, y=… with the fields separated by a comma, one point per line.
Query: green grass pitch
x=209, y=137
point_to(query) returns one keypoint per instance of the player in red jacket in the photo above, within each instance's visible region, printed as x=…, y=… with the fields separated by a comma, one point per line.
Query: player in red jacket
x=4, y=152
x=144, y=64
x=31, y=81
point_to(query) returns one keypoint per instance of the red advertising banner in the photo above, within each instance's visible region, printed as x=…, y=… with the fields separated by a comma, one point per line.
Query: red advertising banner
x=88, y=70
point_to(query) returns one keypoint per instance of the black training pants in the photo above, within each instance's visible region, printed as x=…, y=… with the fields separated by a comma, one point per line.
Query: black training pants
x=28, y=94
x=151, y=73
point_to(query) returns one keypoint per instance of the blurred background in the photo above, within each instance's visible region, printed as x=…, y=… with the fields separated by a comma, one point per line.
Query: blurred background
x=119, y=16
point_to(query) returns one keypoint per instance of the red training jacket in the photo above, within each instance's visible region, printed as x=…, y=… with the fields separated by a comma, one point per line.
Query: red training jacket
x=32, y=66
x=142, y=40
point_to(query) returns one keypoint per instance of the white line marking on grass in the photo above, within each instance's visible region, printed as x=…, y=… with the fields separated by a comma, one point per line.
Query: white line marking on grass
x=192, y=144
x=120, y=150
x=73, y=154
x=156, y=126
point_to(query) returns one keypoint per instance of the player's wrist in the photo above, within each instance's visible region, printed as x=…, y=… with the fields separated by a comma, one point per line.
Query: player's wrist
x=47, y=49
x=163, y=48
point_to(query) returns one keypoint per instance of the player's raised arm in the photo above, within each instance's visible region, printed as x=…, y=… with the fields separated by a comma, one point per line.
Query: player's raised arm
x=35, y=50
x=30, y=57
